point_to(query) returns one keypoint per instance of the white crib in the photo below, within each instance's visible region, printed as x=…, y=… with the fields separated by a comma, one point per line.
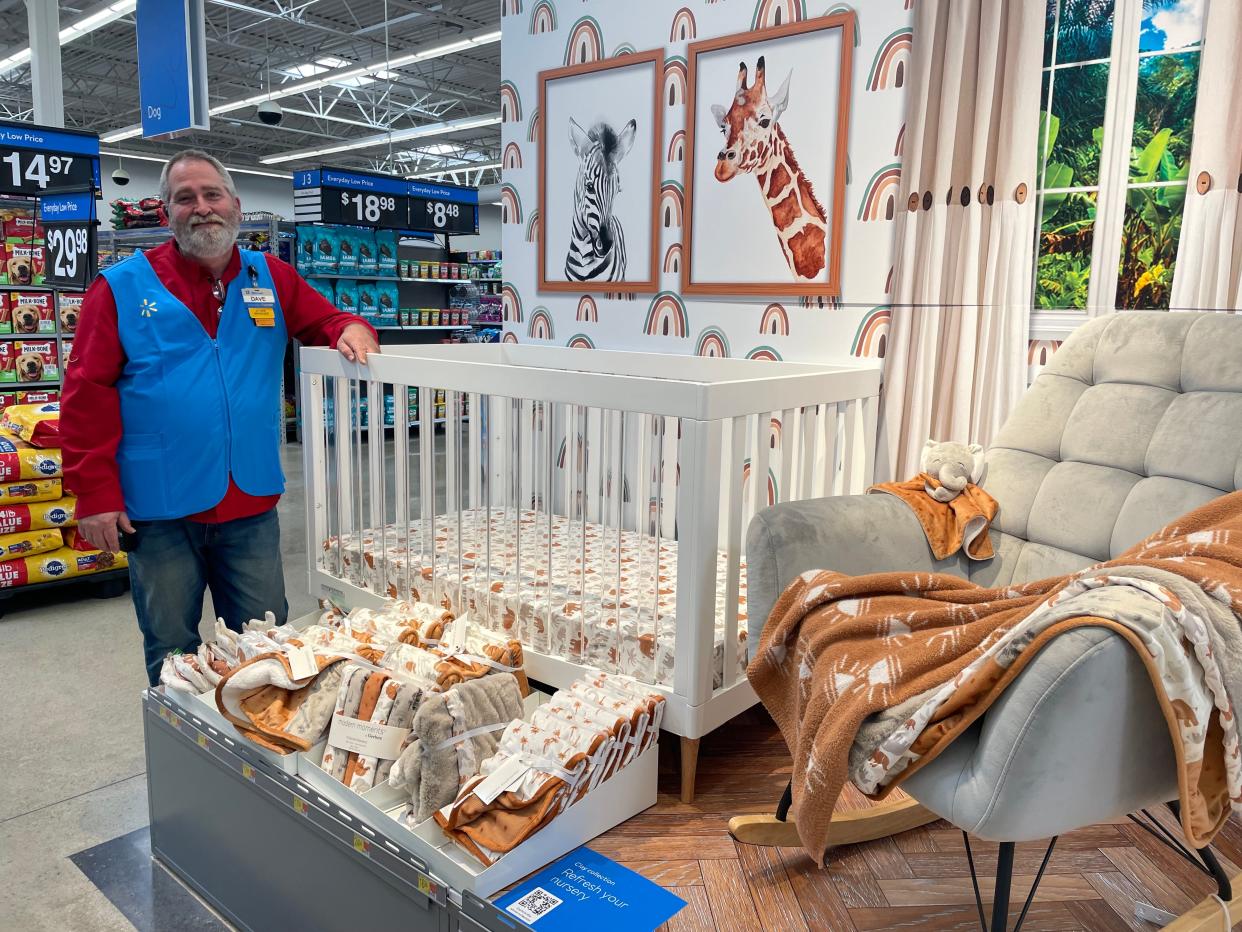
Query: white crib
x=591, y=504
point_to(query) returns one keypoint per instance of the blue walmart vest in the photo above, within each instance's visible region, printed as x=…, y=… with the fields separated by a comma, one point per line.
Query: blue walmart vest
x=194, y=409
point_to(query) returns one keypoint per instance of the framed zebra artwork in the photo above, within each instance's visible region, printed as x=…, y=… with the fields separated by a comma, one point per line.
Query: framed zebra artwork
x=599, y=175
x=766, y=160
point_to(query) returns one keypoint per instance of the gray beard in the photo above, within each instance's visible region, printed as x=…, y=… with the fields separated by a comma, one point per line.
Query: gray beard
x=207, y=240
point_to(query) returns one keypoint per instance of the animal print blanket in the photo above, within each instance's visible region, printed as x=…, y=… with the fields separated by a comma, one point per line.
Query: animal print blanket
x=871, y=677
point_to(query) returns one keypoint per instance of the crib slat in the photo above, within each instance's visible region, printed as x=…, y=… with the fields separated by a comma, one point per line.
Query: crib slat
x=375, y=469
x=342, y=421
x=809, y=483
x=759, y=465
x=733, y=545
x=314, y=457
x=655, y=473
x=427, y=484
x=474, y=426
x=785, y=493
x=698, y=508
x=827, y=440
x=851, y=467
x=871, y=417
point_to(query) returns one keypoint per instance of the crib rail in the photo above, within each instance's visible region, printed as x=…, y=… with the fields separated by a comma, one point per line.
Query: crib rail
x=588, y=504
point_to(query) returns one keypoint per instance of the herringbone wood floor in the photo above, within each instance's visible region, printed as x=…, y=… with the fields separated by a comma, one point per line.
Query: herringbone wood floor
x=918, y=880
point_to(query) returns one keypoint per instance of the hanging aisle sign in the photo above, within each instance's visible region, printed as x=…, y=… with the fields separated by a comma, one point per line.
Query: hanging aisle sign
x=330, y=195
x=172, y=66
x=39, y=160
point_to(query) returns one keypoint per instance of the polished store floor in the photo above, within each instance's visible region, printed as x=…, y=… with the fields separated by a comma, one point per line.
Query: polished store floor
x=75, y=854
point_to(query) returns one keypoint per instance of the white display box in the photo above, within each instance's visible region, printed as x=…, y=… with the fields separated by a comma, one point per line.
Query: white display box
x=625, y=795
x=203, y=707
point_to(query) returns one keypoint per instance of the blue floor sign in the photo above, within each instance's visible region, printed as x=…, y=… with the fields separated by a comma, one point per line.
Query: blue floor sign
x=585, y=890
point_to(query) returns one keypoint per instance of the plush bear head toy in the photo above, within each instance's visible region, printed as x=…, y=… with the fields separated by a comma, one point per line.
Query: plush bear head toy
x=954, y=465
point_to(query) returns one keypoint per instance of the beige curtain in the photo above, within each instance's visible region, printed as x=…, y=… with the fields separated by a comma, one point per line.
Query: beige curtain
x=956, y=360
x=1209, y=257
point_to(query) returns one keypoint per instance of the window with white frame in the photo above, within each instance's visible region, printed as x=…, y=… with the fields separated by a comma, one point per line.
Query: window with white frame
x=1117, y=107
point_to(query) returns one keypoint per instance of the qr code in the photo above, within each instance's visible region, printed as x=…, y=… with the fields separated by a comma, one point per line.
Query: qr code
x=535, y=905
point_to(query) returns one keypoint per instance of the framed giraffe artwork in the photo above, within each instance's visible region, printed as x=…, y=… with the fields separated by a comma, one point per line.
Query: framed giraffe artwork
x=599, y=175
x=768, y=117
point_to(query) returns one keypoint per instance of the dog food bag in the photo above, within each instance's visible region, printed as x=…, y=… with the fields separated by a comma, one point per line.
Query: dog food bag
x=306, y=250
x=325, y=250
x=22, y=227
x=324, y=287
x=6, y=315
x=32, y=312
x=8, y=361
x=8, y=399
x=38, y=425
x=386, y=252
x=28, y=543
x=36, y=361
x=30, y=492
x=368, y=299
x=25, y=264
x=38, y=516
x=19, y=460
x=66, y=351
x=62, y=563
x=70, y=311
x=347, y=295
x=364, y=240
x=346, y=251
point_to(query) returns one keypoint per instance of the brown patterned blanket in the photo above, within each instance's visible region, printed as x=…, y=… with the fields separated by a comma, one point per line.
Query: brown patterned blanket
x=869, y=678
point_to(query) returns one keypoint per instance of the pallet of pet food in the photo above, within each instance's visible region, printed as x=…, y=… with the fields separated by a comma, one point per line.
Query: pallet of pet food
x=136, y=214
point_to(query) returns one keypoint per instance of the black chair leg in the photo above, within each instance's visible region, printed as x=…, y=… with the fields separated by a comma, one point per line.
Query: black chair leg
x=782, y=808
x=1224, y=889
x=1004, y=880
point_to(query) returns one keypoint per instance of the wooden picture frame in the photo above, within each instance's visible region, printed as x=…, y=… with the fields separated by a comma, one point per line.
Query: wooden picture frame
x=750, y=46
x=649, y=226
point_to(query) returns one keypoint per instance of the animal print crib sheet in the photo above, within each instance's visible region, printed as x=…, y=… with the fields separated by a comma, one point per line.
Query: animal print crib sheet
x=549, y=581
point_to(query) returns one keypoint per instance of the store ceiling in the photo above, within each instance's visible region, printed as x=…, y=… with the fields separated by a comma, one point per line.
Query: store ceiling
x=255, y=44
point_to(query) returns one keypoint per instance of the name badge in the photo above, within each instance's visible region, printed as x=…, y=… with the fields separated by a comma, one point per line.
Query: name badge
x=258, y=296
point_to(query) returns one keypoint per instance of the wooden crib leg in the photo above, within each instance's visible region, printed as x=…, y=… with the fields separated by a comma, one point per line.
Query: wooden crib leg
x=689, y=765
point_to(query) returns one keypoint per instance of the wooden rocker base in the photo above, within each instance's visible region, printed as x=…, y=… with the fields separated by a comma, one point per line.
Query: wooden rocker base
x=849, y=826
x=1207, y=915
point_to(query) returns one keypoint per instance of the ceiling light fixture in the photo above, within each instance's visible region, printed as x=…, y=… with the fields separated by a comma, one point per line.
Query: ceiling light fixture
x=448, y=170
x=323, y=80
x=383, y=139
x=87, y=24
x=232, y=168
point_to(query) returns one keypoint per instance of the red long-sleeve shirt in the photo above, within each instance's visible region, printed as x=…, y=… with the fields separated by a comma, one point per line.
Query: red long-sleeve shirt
x=90, y=416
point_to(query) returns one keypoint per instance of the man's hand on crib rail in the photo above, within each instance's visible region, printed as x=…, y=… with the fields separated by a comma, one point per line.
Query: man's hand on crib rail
x=356, y=342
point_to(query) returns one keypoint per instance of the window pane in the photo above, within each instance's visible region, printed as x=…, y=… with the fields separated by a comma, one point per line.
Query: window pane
x=1044, y=126
x=1076, y=130
x=1171, y=24
x=1164, y=112
x=1086, y=30
x=1153, y=223
x=1063, y=270
x=1050, y=23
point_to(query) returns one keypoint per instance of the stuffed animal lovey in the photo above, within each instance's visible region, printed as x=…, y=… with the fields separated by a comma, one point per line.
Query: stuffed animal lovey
x=954, y=465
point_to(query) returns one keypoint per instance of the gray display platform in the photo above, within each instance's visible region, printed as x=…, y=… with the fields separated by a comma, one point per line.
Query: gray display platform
x=268, y=852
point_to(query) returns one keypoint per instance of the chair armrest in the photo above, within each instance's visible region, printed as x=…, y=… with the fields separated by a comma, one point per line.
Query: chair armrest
x=852, y=534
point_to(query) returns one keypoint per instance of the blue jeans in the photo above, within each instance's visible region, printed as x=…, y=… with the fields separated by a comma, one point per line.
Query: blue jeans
x=173, y=562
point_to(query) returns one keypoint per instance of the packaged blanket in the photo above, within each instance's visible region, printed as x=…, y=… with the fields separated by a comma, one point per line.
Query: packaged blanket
x=378, y=699
x=871, y=677
x=268, y=705
x=29, y=543
x=453, y=733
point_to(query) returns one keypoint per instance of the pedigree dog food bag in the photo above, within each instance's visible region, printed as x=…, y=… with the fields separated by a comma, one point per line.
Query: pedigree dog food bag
x=28, y=543
x=19, y=460
x=62, y=563
x=30, y=492
x=35, y=517
x=38, y=425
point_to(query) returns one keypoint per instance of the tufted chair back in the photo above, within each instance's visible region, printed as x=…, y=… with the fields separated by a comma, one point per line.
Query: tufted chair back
x=1137, y=419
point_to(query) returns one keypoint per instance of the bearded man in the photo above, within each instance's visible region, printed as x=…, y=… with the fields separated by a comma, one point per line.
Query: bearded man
x=171, y=415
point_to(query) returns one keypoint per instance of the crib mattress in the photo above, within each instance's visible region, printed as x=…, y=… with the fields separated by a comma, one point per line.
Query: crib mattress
x=564, y=587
